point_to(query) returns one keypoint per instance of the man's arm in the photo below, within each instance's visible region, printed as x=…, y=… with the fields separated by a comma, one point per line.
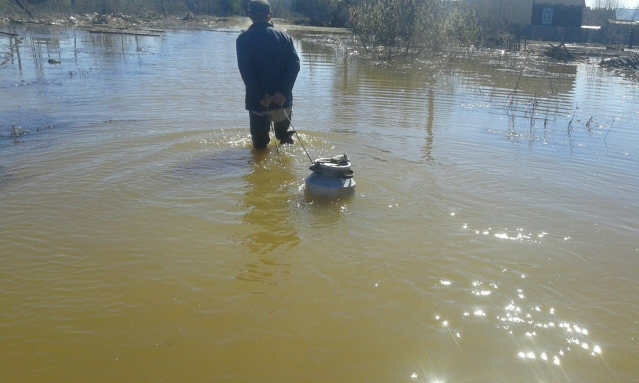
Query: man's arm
x=248, y=73
x=292, y=69
x=243, y=63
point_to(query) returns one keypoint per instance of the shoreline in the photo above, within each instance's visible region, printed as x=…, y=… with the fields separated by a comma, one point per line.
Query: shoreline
x=123, y=24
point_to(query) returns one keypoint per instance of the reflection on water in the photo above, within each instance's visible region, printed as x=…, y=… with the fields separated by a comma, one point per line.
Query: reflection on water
x=428, y=147
x=537, y=329
x=269, y=233
x=492, y=236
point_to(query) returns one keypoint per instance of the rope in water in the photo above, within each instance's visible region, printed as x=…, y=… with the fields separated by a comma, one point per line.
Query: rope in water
x=298, y=136
x=272, y=127
x=268, y=113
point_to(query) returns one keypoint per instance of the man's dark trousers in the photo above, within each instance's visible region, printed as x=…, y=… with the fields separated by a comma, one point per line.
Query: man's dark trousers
x=260, y=127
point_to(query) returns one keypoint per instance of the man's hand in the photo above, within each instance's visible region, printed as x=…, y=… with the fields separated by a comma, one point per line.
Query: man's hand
x=279, y=99
x=267, y=99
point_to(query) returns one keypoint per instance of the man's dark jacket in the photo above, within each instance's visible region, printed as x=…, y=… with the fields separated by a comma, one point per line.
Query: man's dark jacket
x=268, y=64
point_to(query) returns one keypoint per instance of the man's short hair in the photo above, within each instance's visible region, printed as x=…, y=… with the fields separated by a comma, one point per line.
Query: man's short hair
x=260, y=7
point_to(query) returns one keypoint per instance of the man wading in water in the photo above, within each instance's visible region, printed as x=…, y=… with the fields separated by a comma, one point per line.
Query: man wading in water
x=269, y=65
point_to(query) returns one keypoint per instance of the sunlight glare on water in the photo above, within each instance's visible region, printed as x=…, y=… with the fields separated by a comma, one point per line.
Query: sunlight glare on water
x=492, y=236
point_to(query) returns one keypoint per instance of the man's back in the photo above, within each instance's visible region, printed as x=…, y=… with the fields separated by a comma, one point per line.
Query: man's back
x=268, y=63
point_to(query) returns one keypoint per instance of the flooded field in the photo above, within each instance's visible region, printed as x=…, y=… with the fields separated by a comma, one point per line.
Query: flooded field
x=493, y=235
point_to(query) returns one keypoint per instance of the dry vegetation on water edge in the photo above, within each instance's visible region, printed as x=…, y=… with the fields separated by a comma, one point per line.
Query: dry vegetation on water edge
x=391, y=27
x=384, y=28
x=138, y=8
x=387, y=27
x=381, y=29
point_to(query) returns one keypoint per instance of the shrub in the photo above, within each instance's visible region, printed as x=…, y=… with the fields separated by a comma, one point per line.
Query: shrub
x=410, y=26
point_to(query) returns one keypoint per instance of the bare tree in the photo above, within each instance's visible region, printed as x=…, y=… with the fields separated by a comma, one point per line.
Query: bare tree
x=607, y=4
x=23, y=8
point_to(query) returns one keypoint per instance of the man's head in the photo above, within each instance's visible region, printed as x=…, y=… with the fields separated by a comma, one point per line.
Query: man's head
x=260, y=10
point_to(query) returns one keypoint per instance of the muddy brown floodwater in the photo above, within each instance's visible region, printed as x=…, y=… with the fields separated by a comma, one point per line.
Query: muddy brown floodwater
x=493, y=235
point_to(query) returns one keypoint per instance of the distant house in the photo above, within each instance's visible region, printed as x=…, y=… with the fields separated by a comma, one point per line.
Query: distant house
x=557, y=19
x=613, y=27
x=625, y=14
x=540, y=19
x=598, y=16
x=622, y=32
x=513, y=12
